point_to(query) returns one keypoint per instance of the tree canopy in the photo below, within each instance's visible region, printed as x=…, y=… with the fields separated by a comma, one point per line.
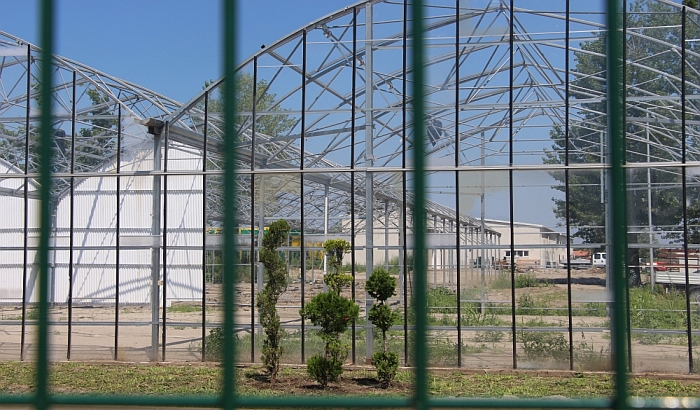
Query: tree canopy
x=653, y=29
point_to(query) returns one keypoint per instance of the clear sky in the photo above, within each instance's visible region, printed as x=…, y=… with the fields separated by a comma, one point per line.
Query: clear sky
x=168, y=46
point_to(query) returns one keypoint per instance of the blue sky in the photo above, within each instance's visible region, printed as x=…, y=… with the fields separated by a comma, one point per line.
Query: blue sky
x=174, y=46
x=169, y=46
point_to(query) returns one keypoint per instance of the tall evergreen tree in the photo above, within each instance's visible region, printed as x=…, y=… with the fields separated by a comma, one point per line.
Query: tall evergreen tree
x=653, y=68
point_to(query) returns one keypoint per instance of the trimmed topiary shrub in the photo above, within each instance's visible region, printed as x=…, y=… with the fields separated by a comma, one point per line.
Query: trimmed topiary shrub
x=381, y=286
x=332, y=313
x=267, y=299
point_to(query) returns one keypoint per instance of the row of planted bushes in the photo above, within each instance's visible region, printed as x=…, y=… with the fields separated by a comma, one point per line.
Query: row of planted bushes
x=329, y=310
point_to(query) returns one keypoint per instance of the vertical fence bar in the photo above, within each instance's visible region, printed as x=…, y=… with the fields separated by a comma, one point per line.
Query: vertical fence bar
x=252, y=208
x=420, y=279
x=228, y=394
x=42, y=365
x=204, y=226
x=25, y=257
x=353, y=101
x=404, y=174
x=511, y=210
x=117, y=258
x=164, y=237
x=618, y=206
x=459, y=282
x=566, y=186
x=684, y=196
x=624, y=131
x=301, y=167
x=253, y=273
x=302, y=263
x=71, y=223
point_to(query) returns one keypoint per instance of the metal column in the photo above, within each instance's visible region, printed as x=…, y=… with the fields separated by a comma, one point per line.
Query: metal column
x=369, y=178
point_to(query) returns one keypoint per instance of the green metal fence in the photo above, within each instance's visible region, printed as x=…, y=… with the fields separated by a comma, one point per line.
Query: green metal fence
x=43, y=398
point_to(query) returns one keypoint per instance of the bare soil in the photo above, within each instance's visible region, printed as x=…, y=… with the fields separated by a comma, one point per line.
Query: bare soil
x=93, y=333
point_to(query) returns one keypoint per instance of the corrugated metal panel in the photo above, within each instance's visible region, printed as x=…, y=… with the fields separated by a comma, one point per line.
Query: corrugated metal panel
x=12, y=236
x=11, y=270
x=94, y=254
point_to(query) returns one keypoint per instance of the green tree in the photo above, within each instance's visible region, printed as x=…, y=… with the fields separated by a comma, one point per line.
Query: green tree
x=97, y=142
x=658, y=23
x=271, y=124
x=267, y=299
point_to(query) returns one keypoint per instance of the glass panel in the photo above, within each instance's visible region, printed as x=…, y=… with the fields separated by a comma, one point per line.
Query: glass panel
x=486, y=291
x=542, y=287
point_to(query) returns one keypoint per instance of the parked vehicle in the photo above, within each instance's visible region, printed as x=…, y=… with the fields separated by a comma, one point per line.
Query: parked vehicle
x=658, y=266
x=676, y=279
x=599, y=259
x=577, y=263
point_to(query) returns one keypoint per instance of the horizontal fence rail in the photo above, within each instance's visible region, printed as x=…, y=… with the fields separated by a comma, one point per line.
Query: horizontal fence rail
x=230, y=251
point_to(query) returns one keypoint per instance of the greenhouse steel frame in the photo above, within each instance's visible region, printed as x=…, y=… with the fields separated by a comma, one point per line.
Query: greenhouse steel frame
x=462, y=93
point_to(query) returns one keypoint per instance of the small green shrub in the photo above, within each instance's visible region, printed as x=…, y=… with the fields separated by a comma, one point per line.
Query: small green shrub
x=527, y=305
x=658, y=310
x=501, y=281
x=591, y=359
x=591, y=309
x=526, y=280
x=326, y=369
x=214, y=344
x=32, y=313
x=387, y=363
x=544, y=345
x=489, y=336
x=330, y=311
x=473, y=316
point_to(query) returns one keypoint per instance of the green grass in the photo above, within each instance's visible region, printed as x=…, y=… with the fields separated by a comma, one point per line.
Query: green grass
x=198, y=379
x=184, y=308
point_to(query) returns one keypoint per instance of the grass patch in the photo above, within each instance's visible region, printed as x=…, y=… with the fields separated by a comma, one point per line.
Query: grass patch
x=184, y=308
x=198, y=379
x=658, y=310
x=33, y=313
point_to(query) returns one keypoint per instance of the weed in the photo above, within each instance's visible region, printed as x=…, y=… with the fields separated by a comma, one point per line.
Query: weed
x=528, y=306
x=589, y=358
x=544, y=345
x=501, y=281
x=442, y=300
x=183, y=308
x=526, y=280
x=489, y=336
x=472, y=316
x=596, y=309
x=658, y=310
x=33, y=313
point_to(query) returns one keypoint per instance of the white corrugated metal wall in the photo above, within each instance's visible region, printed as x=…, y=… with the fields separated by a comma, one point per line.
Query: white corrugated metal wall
x=95, y=236
x=12, y=237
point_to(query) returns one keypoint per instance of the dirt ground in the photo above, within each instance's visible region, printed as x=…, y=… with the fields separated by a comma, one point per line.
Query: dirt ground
x=93, y=333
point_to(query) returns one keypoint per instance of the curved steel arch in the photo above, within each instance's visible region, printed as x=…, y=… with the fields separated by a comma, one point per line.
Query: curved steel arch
x=499, y=80
x=496, y=113
x=86, y=101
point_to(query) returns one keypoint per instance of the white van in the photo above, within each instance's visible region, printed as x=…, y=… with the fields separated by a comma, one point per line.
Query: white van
x=599, y=259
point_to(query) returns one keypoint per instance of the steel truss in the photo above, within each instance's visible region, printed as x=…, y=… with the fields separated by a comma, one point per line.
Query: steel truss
x=319, y=149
